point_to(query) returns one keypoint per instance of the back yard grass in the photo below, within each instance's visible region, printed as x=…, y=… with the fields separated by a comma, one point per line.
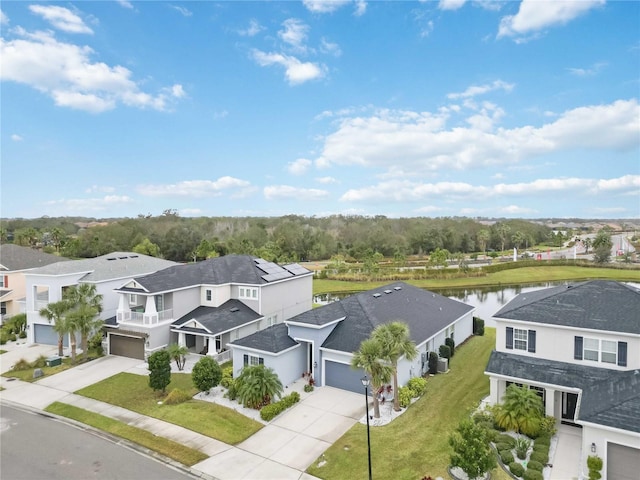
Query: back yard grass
x=131, y=391
x=416, y=443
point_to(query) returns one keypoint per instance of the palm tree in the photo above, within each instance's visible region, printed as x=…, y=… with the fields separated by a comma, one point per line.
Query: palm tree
x=369, y=358
x=521, y=410
x=55, y=312
x=178, y=353
x=395, y=343
x=257, y=385
x=483, y=237
x=86, y=305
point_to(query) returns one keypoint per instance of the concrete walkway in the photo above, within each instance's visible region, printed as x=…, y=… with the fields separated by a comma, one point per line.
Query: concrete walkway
x=283, y=449
x=566, y=459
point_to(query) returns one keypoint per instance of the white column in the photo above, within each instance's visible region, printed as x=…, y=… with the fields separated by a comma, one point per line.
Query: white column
x=494, y=391
x=181, y=339
x=550, y=396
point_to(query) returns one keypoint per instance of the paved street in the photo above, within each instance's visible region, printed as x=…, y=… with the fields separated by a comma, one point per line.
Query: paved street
x=36, y=447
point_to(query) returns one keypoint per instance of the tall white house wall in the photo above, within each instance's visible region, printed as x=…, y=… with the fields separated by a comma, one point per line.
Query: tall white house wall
x=287, y=299
x=184, y=301
x=219, y=295
x=287, y=364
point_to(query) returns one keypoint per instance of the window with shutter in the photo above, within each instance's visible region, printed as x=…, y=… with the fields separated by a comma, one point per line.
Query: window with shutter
x=509, y=342
x=577, y=348
x=622, y=354
x=532, y=341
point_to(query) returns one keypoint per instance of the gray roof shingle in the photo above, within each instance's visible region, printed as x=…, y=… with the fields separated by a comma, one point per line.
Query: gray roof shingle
x=597, y=304
x=231, y=314
x=273, y=339
x=610, y=397
x=15, y=258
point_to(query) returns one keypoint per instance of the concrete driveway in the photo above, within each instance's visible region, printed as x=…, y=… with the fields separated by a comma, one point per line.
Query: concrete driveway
x=20, y=350
x=293, y=441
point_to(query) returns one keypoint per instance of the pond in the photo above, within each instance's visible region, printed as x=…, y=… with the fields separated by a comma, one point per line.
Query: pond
x=487, y=300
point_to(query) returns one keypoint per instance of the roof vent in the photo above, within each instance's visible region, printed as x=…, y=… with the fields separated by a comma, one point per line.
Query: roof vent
x=388, y=291
x=234, y=309
x=397, y=288
x=376, y=295
x=440, y=308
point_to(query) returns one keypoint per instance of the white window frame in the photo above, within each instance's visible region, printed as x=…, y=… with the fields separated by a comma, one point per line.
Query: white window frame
x=609, y=353
x=593, y=349
x=133, y=300
x=272, y=320
x=248, y=293
x=208, y=294
x=520, y=339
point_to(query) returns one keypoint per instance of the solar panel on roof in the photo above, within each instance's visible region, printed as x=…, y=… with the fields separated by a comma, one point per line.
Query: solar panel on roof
x=296, y=269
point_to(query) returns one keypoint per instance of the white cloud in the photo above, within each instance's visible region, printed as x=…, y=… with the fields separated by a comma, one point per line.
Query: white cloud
x=194, y=188
x=125, y=4
x=516, y=210
x=88, y=204
x=252, y=30
x=326, y=180
x=286, y=192
x=324, y=6
x=16, y=138
x=451, y=4
x=585, y=72
x=185, y=12
x=428, y=209
x=4, y=20
x=65, y=72
x=536, y=15
x=330, y=48
x=99, y=188
x=297, y=72
x=403, y=141
x=361, y=8
x=220, y=114
x=190, y=212
x=299, y=167
x=476, y=90
x=294, y=33
x=177, y=91
x=61, y=18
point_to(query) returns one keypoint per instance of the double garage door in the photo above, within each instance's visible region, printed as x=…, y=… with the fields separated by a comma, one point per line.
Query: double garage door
x=341, y=375
x=126, y=346
x=623, y=463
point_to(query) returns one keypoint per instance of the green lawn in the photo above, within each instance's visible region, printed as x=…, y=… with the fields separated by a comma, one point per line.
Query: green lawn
x=168, y=448
x=506, y=277
x=416, y=443
x=27, y=374
x=132, y=392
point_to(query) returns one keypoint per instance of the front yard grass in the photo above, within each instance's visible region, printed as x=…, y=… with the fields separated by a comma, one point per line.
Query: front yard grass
x=26, y=375
x=132, y=391
x=176, y=451
x=416, y=443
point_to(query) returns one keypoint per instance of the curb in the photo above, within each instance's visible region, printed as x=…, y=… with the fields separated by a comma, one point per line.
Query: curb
x=113, y=439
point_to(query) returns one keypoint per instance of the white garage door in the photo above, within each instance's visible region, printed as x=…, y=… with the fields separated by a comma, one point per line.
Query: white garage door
x=623, y=463
x=341, y=375
x=45, y=335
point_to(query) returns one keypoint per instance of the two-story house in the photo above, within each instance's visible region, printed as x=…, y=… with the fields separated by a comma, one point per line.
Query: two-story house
x=47, y=284
x=322, y=341
x=206, y=305
x=15, y=261
x=578, y=346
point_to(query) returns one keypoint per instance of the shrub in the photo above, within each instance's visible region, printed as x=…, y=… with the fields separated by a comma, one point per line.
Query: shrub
x=291, y=399
x=531, y=474
x=95, y=343
x=418, y=386
x=491, y=433
x=506, y=456
x=206, y=374
x=445, y=351
x=594, y=464
x=12, y=337
x=540, y=447
x=232, y=390
x=404, y=396
x=269, y=412
x=22, y=364
x=159, y=370
x=227, y=377
x=543, y=440
x=541, y=457
x=516, y=468
x=508, y=439
x=478, y=326
x=522, y=447
x=449, y=342
x=547, y=427
x=433, y=363
x=503, y=446
x=533, y=465
x=39, y=362
x=308, y=387
x=176, y=396
x=22, y=335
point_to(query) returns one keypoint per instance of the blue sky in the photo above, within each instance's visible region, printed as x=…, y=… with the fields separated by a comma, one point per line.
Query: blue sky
x=452, y=108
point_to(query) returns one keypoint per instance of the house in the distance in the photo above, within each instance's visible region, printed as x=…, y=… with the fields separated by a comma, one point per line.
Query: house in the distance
x=15, y=261
x=206, y=305
x=578, y=346
x=322, y=341
x=47, y=284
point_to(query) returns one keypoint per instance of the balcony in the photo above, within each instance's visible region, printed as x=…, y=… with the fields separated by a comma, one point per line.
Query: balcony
x=146, y=319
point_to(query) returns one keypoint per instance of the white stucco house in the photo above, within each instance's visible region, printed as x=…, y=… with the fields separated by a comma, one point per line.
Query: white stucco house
x=206, y=305
x=322, y=341
x=47, y=284
x=578, y=345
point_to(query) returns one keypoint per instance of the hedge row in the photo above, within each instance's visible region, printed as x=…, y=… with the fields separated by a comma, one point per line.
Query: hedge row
x=271, y=411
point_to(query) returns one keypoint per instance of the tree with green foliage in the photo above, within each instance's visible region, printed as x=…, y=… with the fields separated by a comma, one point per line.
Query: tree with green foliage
x=438, y=258
x=159, y=370
x=206, y=374
x=471, y=450
x=395, y=343
x=521, y=410
x=369, y=358
x=257, y=386
x=146, y=247
x=482, y=237
x=55, y=312
x=602, y=246
x=86, y=305
x=502, y=229
x=179, y=354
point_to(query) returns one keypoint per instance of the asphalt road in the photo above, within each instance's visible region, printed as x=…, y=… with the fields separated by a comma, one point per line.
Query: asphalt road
x=34, y=447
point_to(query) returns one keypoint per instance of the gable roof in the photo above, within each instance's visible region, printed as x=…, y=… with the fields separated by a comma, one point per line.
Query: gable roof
x=14, y=258
x=231, y=314
x=597, y=304
x=111, y=266
x=239, y=269
x=426, y=313
x=273, y=339
x=609, y=397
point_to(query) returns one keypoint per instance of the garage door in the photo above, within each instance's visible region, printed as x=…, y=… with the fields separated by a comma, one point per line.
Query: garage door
x=342, y=376
x=124, y=346
x=45, y=335
x=623, y=463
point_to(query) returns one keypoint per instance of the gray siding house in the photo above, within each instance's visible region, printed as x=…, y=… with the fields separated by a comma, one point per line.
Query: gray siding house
x=321, y=341
x=578, y=346
x=206, y=305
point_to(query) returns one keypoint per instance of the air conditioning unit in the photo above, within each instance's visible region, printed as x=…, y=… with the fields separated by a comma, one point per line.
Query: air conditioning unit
x=443, y=365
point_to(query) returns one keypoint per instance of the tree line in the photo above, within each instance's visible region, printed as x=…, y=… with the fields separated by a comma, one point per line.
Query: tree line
x=280, y=239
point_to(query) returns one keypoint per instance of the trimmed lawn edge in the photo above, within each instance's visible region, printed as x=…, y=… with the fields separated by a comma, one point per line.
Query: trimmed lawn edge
x=163, y=446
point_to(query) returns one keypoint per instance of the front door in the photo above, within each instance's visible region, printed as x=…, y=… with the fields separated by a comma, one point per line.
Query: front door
x=569, y=403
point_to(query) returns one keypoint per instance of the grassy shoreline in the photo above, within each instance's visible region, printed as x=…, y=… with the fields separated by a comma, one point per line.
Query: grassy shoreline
x=519, y=276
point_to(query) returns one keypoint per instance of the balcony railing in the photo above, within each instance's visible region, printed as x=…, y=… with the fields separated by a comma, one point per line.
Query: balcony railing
x=222, y=357
x=140, y=318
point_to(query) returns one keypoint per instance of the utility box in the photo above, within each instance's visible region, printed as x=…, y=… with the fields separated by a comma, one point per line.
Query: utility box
x=443, y=365
x=54, y=361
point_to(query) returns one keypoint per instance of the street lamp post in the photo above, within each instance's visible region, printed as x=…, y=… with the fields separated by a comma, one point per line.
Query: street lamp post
x=365, y=382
